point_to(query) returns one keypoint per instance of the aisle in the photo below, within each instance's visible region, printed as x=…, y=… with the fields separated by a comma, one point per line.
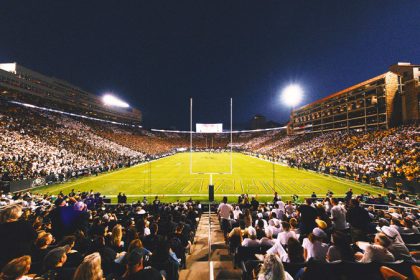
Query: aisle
x=198, y=264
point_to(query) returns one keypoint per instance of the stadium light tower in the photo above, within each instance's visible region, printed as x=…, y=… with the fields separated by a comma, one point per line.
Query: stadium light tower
x=111, y=100
x=292, y=95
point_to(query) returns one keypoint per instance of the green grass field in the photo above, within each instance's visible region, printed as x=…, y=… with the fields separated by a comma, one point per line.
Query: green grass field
x=170, y=178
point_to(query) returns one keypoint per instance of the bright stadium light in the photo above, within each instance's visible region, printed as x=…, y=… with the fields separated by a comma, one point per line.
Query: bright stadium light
x=292, y=95
x=111, y=100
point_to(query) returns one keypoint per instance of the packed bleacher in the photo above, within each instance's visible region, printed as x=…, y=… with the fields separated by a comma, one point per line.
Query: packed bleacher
x=330, y=238
x=38, y=143
x=77, y=236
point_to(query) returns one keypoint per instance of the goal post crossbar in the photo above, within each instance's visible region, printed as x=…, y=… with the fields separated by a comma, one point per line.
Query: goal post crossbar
x=230, y=144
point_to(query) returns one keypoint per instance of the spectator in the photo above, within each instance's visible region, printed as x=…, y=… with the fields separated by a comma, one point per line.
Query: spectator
x=16, y=269
x=272, y=268
x=308, y=215
x=338, y=215
x=224, y=210
x=54, y=264
x=358, y=219
x=267, y=240
x=313, y=245
x=283, y=237
x=251, y=240
x=136, y=267
x=397, y=248
x=16, y=236
x=340, y=249
x=376, y=252
x=90, y=268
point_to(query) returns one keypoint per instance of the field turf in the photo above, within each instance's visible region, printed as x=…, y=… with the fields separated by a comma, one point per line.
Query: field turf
x=170, y=179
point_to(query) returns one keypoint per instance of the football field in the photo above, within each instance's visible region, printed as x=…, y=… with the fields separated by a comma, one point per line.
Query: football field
x=170, y=178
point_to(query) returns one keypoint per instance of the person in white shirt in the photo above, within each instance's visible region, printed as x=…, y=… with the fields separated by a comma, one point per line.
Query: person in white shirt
x=397, y=248
x=260, y=217
x=289, y=208
x=272, y=268
x=338, y=215
x=268, y=239
x=376, y=252
x=284, y=236
x=313, y=245
x=236, y=213
x=279, y=213
x=224, y=209
x=272, y=225
x=251, y=240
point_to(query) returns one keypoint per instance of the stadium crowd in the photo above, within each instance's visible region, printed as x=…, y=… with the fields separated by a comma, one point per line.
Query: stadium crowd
x=321, y=239
x=363, y=156
x=41, y=144
x=77, y=236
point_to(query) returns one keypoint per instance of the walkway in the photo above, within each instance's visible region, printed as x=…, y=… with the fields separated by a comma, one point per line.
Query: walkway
x=198, y=265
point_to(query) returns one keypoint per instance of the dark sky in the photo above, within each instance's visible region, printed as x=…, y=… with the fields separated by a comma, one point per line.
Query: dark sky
x=156, y=54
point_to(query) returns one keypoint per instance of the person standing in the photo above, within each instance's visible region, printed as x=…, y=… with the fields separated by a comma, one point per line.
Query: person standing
x=338, y=215
x=224, y=210
x=308, y=215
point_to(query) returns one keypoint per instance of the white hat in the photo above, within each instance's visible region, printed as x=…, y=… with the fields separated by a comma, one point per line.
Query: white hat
x=260, y=215
x=252, y=231
x=396, y=215
x=319, y=232
x=389, y=232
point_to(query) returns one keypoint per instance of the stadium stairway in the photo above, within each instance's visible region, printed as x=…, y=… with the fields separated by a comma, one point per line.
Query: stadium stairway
x=198, y=264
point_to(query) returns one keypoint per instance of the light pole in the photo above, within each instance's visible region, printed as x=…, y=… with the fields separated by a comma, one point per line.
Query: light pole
x=291, y=96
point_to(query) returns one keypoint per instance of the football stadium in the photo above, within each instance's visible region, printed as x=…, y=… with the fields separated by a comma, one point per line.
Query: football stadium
x=178, y=144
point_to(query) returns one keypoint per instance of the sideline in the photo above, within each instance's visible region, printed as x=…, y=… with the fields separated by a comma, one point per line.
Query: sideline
x=332, y=177
x=78, y=181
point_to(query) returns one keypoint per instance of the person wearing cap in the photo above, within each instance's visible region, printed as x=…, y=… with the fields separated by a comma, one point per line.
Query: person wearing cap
x=251, y=240
x=136, y=269
x=313, y=245
x=54, y=264
x=236, y=213
x=377, y=251
x=267, y=240
x=397, y=248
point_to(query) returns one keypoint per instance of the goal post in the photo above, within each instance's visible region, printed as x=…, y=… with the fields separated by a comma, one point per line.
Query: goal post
x=208, y=172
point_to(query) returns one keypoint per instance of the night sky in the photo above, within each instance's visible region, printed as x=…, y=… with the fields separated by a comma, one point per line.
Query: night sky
x=156, y=54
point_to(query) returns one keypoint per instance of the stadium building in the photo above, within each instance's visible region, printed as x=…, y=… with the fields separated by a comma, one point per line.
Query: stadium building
x=21, y=84
x=384, y=101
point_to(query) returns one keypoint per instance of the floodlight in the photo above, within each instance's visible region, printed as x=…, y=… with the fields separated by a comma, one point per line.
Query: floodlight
x=292, y=95
x=111, y=100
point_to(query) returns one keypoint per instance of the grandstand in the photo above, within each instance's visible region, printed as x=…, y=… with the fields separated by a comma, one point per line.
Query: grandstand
x=94, y=185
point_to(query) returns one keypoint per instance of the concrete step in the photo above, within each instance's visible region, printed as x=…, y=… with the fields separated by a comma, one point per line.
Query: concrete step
x=198, y=265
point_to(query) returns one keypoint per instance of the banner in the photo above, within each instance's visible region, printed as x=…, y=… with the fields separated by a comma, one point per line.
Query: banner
x=209, y=127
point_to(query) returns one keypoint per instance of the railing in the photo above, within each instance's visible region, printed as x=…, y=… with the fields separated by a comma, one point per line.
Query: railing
x=386, y=207
x=211, y=272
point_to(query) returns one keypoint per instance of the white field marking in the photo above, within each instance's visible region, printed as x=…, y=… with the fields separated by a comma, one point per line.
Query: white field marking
x=331, y=177
x=205, y=194
x=101, y=175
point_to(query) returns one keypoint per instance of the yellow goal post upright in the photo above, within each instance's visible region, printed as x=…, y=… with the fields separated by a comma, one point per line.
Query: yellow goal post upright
x=211, y=185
